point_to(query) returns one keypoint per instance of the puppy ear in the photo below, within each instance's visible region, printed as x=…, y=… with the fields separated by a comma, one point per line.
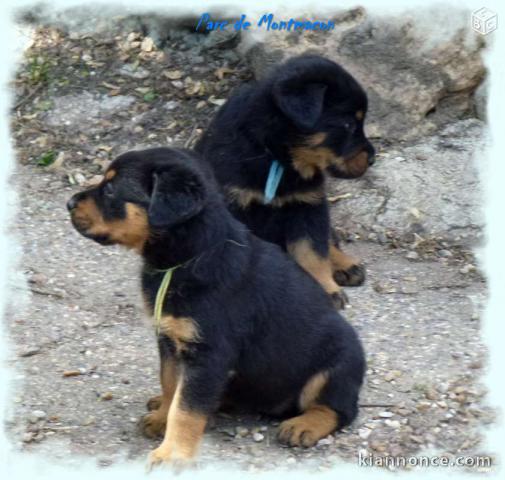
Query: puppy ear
x=301, y=103
x=176, y=197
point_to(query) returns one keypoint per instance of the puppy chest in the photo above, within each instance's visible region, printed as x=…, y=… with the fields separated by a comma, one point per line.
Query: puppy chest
x=182, y=331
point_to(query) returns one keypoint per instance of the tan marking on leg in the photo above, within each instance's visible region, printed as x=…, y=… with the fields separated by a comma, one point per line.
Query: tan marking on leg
x=317, y=422
x=154, y=423
x=183, y=433
x=312, y=389
x=340, y=260
x=243, y=197
x=181, y=330
x=314, y=264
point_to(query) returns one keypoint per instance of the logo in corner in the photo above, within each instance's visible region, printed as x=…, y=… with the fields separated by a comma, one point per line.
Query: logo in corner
x=484, y=21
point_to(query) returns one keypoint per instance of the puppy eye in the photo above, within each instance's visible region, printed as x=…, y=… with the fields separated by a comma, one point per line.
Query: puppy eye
x=108, y=190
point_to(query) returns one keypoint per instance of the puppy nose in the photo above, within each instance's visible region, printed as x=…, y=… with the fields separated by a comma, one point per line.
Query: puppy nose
x=71, y=204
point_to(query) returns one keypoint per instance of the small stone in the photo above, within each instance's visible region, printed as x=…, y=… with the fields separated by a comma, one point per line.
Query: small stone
x=36, y=416
x=392, y=423
x=467, y=269
x=364, y=433
x=173, y=74
x=291, y=460
x=431, y=394
x=241, y=431
x=171, y=105
x=423, y=406
x=88, y=421
x=28, y=437
x=412, y=256
x=29, y=351
x=258, y=437
x=476, y=365
x=147, y=44
x=107, y=396
x=79, y=178
x=445, y=253
x=377, y=446
x=392, y=375
x=324, y=442
x=386, y=414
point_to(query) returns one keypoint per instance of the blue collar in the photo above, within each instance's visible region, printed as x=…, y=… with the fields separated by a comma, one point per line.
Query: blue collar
x=273, y=180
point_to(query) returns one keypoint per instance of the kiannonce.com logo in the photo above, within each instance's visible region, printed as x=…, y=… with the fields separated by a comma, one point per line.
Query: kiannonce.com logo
x=366, y=459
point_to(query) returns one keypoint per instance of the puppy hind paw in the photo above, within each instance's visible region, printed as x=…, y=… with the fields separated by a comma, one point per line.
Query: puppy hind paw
x=340, y=299
x=152, y=424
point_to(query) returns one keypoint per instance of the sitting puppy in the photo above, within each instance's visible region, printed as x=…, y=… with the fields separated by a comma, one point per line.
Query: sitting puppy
x=270, y=145
x=238, y=321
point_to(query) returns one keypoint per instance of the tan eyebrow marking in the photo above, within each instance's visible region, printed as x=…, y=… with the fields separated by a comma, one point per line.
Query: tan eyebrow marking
x=109, y=175
x=360, y=115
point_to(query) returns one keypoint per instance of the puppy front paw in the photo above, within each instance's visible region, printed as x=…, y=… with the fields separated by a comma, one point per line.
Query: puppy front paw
x=353, y=276
x=165, y=456
x=154, y=403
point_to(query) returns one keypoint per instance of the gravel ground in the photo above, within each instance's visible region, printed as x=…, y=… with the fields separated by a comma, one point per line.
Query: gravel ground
x=86, y=358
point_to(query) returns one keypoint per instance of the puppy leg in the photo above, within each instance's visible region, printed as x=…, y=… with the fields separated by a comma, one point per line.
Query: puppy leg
x=183, y=432
x=318, y=267
x=329, y=400
x=153, y=423
x=317, y=420
x=199, y=389
x=347, y=270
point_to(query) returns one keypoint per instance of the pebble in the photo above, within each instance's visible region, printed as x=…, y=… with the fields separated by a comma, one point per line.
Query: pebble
x=393, y=374
x=386, y=414
x=364, y=433
x=291, y=460
x=392, y=423
x=445, y=253
x=29, y=351
x=258, y=437
x=241, y=431
x=431, y=394
x=28, y=437
x=467, y=268
x=36, y=416
x=171, y=105
x=107, y=396
x=412, y=256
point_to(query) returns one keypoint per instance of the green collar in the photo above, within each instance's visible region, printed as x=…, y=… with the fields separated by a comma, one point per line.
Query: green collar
x=160, y=297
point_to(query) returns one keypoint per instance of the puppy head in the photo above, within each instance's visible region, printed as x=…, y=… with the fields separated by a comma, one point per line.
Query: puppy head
x=325, y=108
x=143, y=194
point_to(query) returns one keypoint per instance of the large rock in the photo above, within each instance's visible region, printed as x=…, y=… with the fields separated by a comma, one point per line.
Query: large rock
x=430, y=188
x=420, y=69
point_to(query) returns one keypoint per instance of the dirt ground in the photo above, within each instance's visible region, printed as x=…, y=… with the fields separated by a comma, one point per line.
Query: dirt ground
x=86, y=358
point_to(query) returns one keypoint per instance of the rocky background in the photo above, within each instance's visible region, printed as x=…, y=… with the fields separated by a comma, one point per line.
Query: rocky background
x=90, y=87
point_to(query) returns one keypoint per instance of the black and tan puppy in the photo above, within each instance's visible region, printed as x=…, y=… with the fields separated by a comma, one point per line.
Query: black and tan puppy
x=308, y=115
x=240, y=323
